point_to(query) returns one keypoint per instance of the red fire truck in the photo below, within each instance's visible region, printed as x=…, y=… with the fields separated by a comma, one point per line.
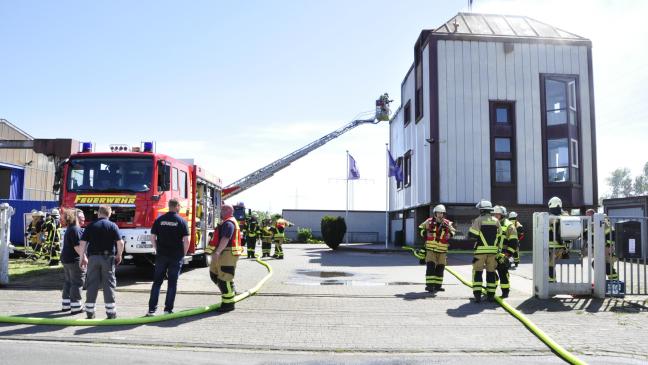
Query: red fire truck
x=138, y=183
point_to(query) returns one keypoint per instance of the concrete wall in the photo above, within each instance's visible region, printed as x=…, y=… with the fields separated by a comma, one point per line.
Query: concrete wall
x=362, y=226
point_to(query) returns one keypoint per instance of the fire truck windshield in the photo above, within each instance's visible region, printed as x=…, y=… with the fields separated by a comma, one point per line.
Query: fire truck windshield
x=110, y=174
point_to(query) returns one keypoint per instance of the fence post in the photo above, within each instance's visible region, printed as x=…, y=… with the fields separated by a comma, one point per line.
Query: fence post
x=5, y=222
x=599, y=256
x=541, y=255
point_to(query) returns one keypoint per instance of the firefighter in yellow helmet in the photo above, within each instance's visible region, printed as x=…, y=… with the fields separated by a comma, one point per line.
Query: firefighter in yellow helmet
x=266, y=238
x=557, y=247
x=484, y=232
x=279, y=237
x=52, y=243
x=513, y=217
x=507, y=242
x=436, y=231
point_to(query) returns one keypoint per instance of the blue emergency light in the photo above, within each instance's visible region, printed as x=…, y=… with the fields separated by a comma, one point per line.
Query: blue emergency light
x=148, y=146
x=86, y=147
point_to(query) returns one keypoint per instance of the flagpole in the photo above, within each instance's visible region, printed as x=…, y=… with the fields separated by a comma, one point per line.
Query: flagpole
x=346, y=212
x=387, y=198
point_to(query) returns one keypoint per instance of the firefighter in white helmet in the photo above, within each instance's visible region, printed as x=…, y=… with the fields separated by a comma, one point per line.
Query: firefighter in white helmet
x=513, y=217
x=437, y=231
x=557, y=247
x=507, y=242
x=484, y=231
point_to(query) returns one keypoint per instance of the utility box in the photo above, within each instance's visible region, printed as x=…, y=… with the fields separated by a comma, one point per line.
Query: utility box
x=628, y=240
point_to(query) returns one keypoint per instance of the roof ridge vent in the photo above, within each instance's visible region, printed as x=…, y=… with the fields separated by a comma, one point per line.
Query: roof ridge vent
x=455, y=25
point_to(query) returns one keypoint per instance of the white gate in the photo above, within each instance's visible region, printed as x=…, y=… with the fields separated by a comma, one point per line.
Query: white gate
x=5, y=223
x=574, y=273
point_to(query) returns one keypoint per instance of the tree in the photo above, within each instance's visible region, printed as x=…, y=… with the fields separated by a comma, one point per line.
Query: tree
x=641, y=182
x=620, y=183
x=333, y=230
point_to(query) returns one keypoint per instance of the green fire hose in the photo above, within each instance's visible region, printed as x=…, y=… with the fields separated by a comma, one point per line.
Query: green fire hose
x=559, y=350
x=136, y=320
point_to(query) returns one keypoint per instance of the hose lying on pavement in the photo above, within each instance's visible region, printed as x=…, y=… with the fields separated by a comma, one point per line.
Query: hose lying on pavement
x=559, y=350
x=136, y=320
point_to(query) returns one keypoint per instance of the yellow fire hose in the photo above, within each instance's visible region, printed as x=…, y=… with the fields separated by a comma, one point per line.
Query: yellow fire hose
x=137, y=320
x=559, y=350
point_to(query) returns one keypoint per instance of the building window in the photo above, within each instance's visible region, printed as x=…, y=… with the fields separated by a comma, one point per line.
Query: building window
x=561, y=128
x=418, y=83
x=407, y=170
x=502, y=145
x=502, y=115
x=183, y=184
x=558, y=160
x=399, y=162
x=407, y=114
x=503, y=171
x=502, y=131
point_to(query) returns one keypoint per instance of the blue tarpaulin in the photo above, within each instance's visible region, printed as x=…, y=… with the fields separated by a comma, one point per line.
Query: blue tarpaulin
x=18, y=219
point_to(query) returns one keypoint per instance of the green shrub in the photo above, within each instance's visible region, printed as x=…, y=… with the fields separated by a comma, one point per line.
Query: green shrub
x=304, y=234
x=333, y=230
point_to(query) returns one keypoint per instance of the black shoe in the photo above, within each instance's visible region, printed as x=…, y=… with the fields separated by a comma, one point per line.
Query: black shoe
x=490, y=297
x=111, y=315
x=90, y=315
x=439, y=288
x=67, y=309
x=225, y=307
x=429, y=288
x=505, y=293
x=279, y=257
x=516, y=264
x=477, y=297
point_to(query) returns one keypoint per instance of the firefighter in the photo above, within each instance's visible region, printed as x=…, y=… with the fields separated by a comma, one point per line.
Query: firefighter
x=52, y=243
x=513, y=217
x=557, y=247
x=436, y=230
x=253, y=231
x=507, y=245
x=610, y=256
x=279, y=237
x=266, y=238
x=33, y=231
x=484, y=231
x=225, y=257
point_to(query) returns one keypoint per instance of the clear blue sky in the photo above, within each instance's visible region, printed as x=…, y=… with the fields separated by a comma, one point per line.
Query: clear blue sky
x=236, y=85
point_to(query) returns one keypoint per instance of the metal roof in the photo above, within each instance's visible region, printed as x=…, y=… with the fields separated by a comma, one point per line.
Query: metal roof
x=502, y=25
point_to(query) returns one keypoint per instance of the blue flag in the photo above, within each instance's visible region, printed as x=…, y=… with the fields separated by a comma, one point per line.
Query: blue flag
x=394, y=169
x=354, y=173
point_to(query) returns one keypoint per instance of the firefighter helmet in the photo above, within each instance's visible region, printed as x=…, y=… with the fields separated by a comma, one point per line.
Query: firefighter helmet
x=555, y=202
x=439, y=209
x=498, y=209
x=512, y=215
x=55, y=212
x=590, y=212
x=484, y=205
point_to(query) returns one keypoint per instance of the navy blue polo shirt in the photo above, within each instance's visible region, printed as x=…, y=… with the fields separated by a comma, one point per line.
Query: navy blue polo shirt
x=70, y=241
x=102, y=236
x=170, y=228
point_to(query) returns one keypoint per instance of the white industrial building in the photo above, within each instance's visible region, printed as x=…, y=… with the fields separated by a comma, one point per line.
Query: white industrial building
x=494, y=107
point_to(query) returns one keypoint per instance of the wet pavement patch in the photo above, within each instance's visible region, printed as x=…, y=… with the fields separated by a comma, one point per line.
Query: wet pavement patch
x=327, y=274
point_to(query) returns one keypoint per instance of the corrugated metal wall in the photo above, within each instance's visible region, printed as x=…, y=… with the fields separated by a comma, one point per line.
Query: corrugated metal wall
x=470, y=74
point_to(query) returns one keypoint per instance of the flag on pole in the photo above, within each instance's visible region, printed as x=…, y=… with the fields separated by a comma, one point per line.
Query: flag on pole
x=394, y=169
x=354, y=173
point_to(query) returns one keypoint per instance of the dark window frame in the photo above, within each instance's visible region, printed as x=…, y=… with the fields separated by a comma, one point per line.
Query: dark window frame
x=503, y=192
x=182, y=183
x=399, y=163
x=407, y=169
x=407, y=113
x=570, y=130
x=418, y=82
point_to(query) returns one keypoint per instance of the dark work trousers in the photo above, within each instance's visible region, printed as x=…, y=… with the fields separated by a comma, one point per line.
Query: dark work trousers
x=74, y=278
x=170, y=267
x=101, y=274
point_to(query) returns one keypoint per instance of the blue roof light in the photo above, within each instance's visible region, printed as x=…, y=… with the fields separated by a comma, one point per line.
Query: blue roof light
x=148, y=146
x=86, y=147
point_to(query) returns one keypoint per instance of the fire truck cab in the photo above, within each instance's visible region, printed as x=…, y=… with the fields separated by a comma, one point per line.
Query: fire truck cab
x=138, y=183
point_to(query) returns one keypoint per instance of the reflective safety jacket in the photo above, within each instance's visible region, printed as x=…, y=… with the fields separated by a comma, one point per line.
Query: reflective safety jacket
x=485, y=229
x=437, y=234
x=507, y=237
x=520, y=229
x=554, y=232
x=252, y=228
x=235, y=241
x=609, y=232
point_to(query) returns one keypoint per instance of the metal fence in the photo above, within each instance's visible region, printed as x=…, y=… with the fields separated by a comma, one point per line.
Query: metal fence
x=630, y=253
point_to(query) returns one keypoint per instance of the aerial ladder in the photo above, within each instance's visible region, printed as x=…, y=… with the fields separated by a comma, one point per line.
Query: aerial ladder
x=381, y=114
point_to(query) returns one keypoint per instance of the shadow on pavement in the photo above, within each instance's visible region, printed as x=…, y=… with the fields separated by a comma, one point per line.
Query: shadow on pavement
x=471, y=308
x=31, y=330
x=590, y=305
x=415, y=295
x=105, y=329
